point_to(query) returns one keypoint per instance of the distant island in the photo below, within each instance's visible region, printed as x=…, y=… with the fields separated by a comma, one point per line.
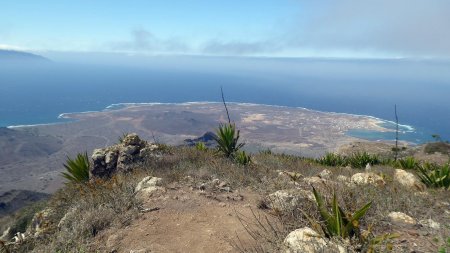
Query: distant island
x=20, y=56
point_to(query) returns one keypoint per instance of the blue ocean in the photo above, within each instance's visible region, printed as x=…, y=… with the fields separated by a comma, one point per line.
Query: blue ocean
x=38, y=93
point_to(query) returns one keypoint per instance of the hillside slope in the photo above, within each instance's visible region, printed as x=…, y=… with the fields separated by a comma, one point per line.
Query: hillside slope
x=180, y=199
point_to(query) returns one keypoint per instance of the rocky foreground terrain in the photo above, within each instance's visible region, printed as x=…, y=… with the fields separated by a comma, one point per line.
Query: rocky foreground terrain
x=147, y=197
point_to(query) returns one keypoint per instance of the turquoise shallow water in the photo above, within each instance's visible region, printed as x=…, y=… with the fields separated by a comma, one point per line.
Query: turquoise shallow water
x=406, y=133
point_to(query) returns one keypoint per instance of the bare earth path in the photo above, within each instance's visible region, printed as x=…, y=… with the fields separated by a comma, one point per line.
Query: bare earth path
x=186, y=221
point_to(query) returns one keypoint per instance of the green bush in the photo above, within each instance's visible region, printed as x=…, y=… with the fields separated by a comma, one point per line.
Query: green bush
x=433, y=175
x=331, y=159
x=265, y=152
x=360, y=160
x=408, y=163
x=338, y=223
x=242, y=158
x=227, y=138
x=77, y=170
x=356, y=160
x=200, y=146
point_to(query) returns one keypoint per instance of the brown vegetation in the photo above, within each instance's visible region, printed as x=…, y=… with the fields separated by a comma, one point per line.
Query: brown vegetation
x=83, y=217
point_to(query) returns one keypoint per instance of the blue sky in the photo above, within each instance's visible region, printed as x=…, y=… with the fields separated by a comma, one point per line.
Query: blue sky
x=346, y=28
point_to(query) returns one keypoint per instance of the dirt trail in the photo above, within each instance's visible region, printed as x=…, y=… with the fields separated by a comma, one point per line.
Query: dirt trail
x=186, y=221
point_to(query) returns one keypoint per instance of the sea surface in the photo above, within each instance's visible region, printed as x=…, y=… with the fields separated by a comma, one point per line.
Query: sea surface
x=39, y=93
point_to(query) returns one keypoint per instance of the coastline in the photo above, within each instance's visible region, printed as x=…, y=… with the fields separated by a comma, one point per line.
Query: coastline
x=289, y=130
x=376, y=123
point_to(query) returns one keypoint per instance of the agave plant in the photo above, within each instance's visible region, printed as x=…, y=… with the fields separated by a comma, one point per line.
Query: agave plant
x=227, y=138
x=433, y=175
x=200, y=146
x=331, y=159
x=360, y=160
x=242, y=158
x=408, y=163
x=77, y=170
x=338, y=223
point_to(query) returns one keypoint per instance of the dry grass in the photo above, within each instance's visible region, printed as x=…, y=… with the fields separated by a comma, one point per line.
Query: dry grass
x=87, y=211
x=441, y=147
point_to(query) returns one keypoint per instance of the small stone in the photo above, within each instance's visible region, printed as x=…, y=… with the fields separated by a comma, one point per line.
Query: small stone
x=149, y=187
x=313, y=180
x=368, y=167
x=401, y=218
x=307, y=240
x=148, y=182
x=225, y=189
x=288, y=200
x=408, y=180
x=430, y=223
x=367, y=178
x=294, y=176
x=215, y=181
x=223, y=184
x=342, y=178
x=325, y=174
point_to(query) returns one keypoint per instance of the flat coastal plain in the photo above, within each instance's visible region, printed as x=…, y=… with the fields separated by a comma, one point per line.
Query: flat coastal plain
x=281, y=129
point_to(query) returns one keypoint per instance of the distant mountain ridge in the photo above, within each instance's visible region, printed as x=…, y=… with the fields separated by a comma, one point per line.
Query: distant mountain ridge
x=13, y=55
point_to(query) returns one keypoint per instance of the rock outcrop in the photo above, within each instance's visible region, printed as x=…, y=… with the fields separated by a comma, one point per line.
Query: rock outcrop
x=121, y=157
x=289, y=200
x=306, y=240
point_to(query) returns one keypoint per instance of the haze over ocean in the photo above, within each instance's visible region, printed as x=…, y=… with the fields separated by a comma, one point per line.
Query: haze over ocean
x=420, y=88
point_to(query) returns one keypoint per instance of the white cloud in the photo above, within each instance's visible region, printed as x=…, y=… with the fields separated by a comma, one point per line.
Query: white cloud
x=399, y=27
x=12, y=47
x=143, y=40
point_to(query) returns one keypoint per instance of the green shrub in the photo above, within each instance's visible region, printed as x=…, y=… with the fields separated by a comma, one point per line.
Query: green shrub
x=408, y=163
x=242, y=158
x=360, y=160
x=338, y=223
x=433, y=175
x=265, y=152
x=200, y=146
x=77, y=169
x=356, y=160
x=227, y=138
x=331, y=159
